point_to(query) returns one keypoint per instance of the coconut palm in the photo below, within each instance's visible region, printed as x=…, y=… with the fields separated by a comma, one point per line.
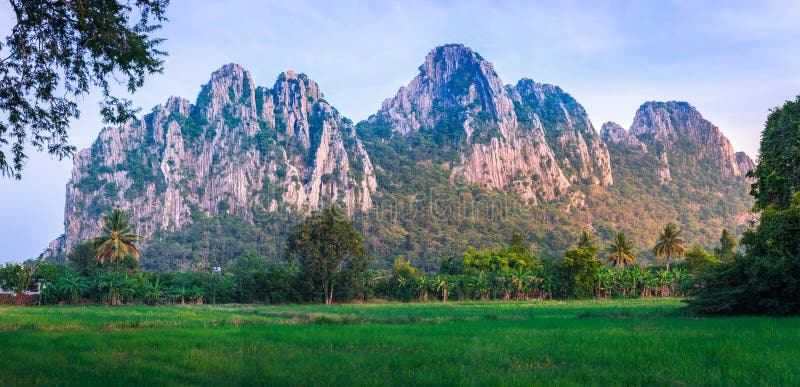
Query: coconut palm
x=669, y=245
x=620, y=251
x=117, y=240
x=586, y=239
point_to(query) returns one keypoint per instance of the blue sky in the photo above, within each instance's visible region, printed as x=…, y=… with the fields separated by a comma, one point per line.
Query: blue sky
x=732, y=60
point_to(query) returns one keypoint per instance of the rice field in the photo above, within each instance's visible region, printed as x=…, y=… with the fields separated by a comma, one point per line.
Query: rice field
x=597, y=342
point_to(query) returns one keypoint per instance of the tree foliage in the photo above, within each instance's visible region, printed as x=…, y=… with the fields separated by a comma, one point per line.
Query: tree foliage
x=766, y=280
x=511, y=257
x=60, y=50
x=580, y=268
x=117, y=240
x=777, y=176
x=669, y=244
x=727, y=246
x=328, y=249
x=620, y=251
x=698, y=258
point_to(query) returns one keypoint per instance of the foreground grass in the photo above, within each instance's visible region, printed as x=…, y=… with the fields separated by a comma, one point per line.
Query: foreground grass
x=630, y=342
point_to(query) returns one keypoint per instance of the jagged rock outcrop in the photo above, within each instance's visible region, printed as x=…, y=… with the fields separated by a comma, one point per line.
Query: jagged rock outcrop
x=678, y=134
x=581, y=154
x=745, y=163
x=458, y=159
x=240, y=149
x=613, y=133
x=507, y=137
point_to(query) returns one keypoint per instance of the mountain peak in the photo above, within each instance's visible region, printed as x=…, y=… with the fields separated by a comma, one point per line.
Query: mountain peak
x=228, y=70
x=454, y=68
x=675, y=125
x=290, y=81
x=452, y=56
x=613, y=133
x=456, y=83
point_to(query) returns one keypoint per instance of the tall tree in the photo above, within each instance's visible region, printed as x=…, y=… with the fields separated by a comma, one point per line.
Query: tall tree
x=669, y=244
x=117, y=240
x=579, y=271
x=727, y=246
x=58, y=51
x=777, y=176
x=328, y=249
x=620, y=251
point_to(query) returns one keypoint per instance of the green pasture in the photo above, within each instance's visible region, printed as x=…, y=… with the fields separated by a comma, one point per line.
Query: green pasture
x=605, y=342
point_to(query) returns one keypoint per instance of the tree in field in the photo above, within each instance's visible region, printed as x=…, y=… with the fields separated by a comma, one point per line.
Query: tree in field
x=669, y=245
x=579, y=271
x=727, y=246
x=328, y=249
x=56, y=53
x=620, y=251
x=117, y=240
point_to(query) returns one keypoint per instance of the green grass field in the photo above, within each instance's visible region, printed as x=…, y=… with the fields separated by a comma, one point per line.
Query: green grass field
x=616, y=342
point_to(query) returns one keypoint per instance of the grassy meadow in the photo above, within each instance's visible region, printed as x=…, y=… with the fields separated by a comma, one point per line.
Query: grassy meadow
x=606, y=342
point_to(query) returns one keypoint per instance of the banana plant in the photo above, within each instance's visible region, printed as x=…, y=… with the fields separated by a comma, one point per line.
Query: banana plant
x=443, y=285
x=72, y=285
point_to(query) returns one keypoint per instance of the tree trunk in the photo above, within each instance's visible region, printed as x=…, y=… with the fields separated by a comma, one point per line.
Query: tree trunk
x=329, y=295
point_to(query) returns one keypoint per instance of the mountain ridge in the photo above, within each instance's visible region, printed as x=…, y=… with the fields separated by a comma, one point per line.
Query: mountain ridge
x=260, y=157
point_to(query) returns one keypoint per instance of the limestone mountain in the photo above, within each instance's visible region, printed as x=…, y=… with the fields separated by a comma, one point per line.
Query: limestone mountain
x=678, y=134
x=240, y=149
x=612, y=133
x=581, y=154
x=684, y=166
x=531, y=139
x=680, y=141
x=456, y=158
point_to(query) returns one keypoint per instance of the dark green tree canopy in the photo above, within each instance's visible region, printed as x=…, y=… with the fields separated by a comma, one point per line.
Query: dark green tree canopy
x=727, y=246
x=59, y=51
x=766, y=279
x=579, y=269
x=328, y=250
x=777, y=174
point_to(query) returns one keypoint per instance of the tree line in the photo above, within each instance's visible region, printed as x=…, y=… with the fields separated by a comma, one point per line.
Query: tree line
x=326, y=262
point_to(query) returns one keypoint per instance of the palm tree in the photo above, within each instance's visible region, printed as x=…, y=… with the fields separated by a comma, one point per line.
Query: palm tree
x=586, y=239
x=117, y=240
x=670, y=244
x=620, y=251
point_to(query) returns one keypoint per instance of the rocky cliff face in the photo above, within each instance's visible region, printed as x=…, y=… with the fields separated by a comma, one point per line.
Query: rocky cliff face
x=240, y=149
x=612, y=133
x=744, y=162
x=581, y=154
x=244, y=162
x=532, y=139
x=678, y=134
